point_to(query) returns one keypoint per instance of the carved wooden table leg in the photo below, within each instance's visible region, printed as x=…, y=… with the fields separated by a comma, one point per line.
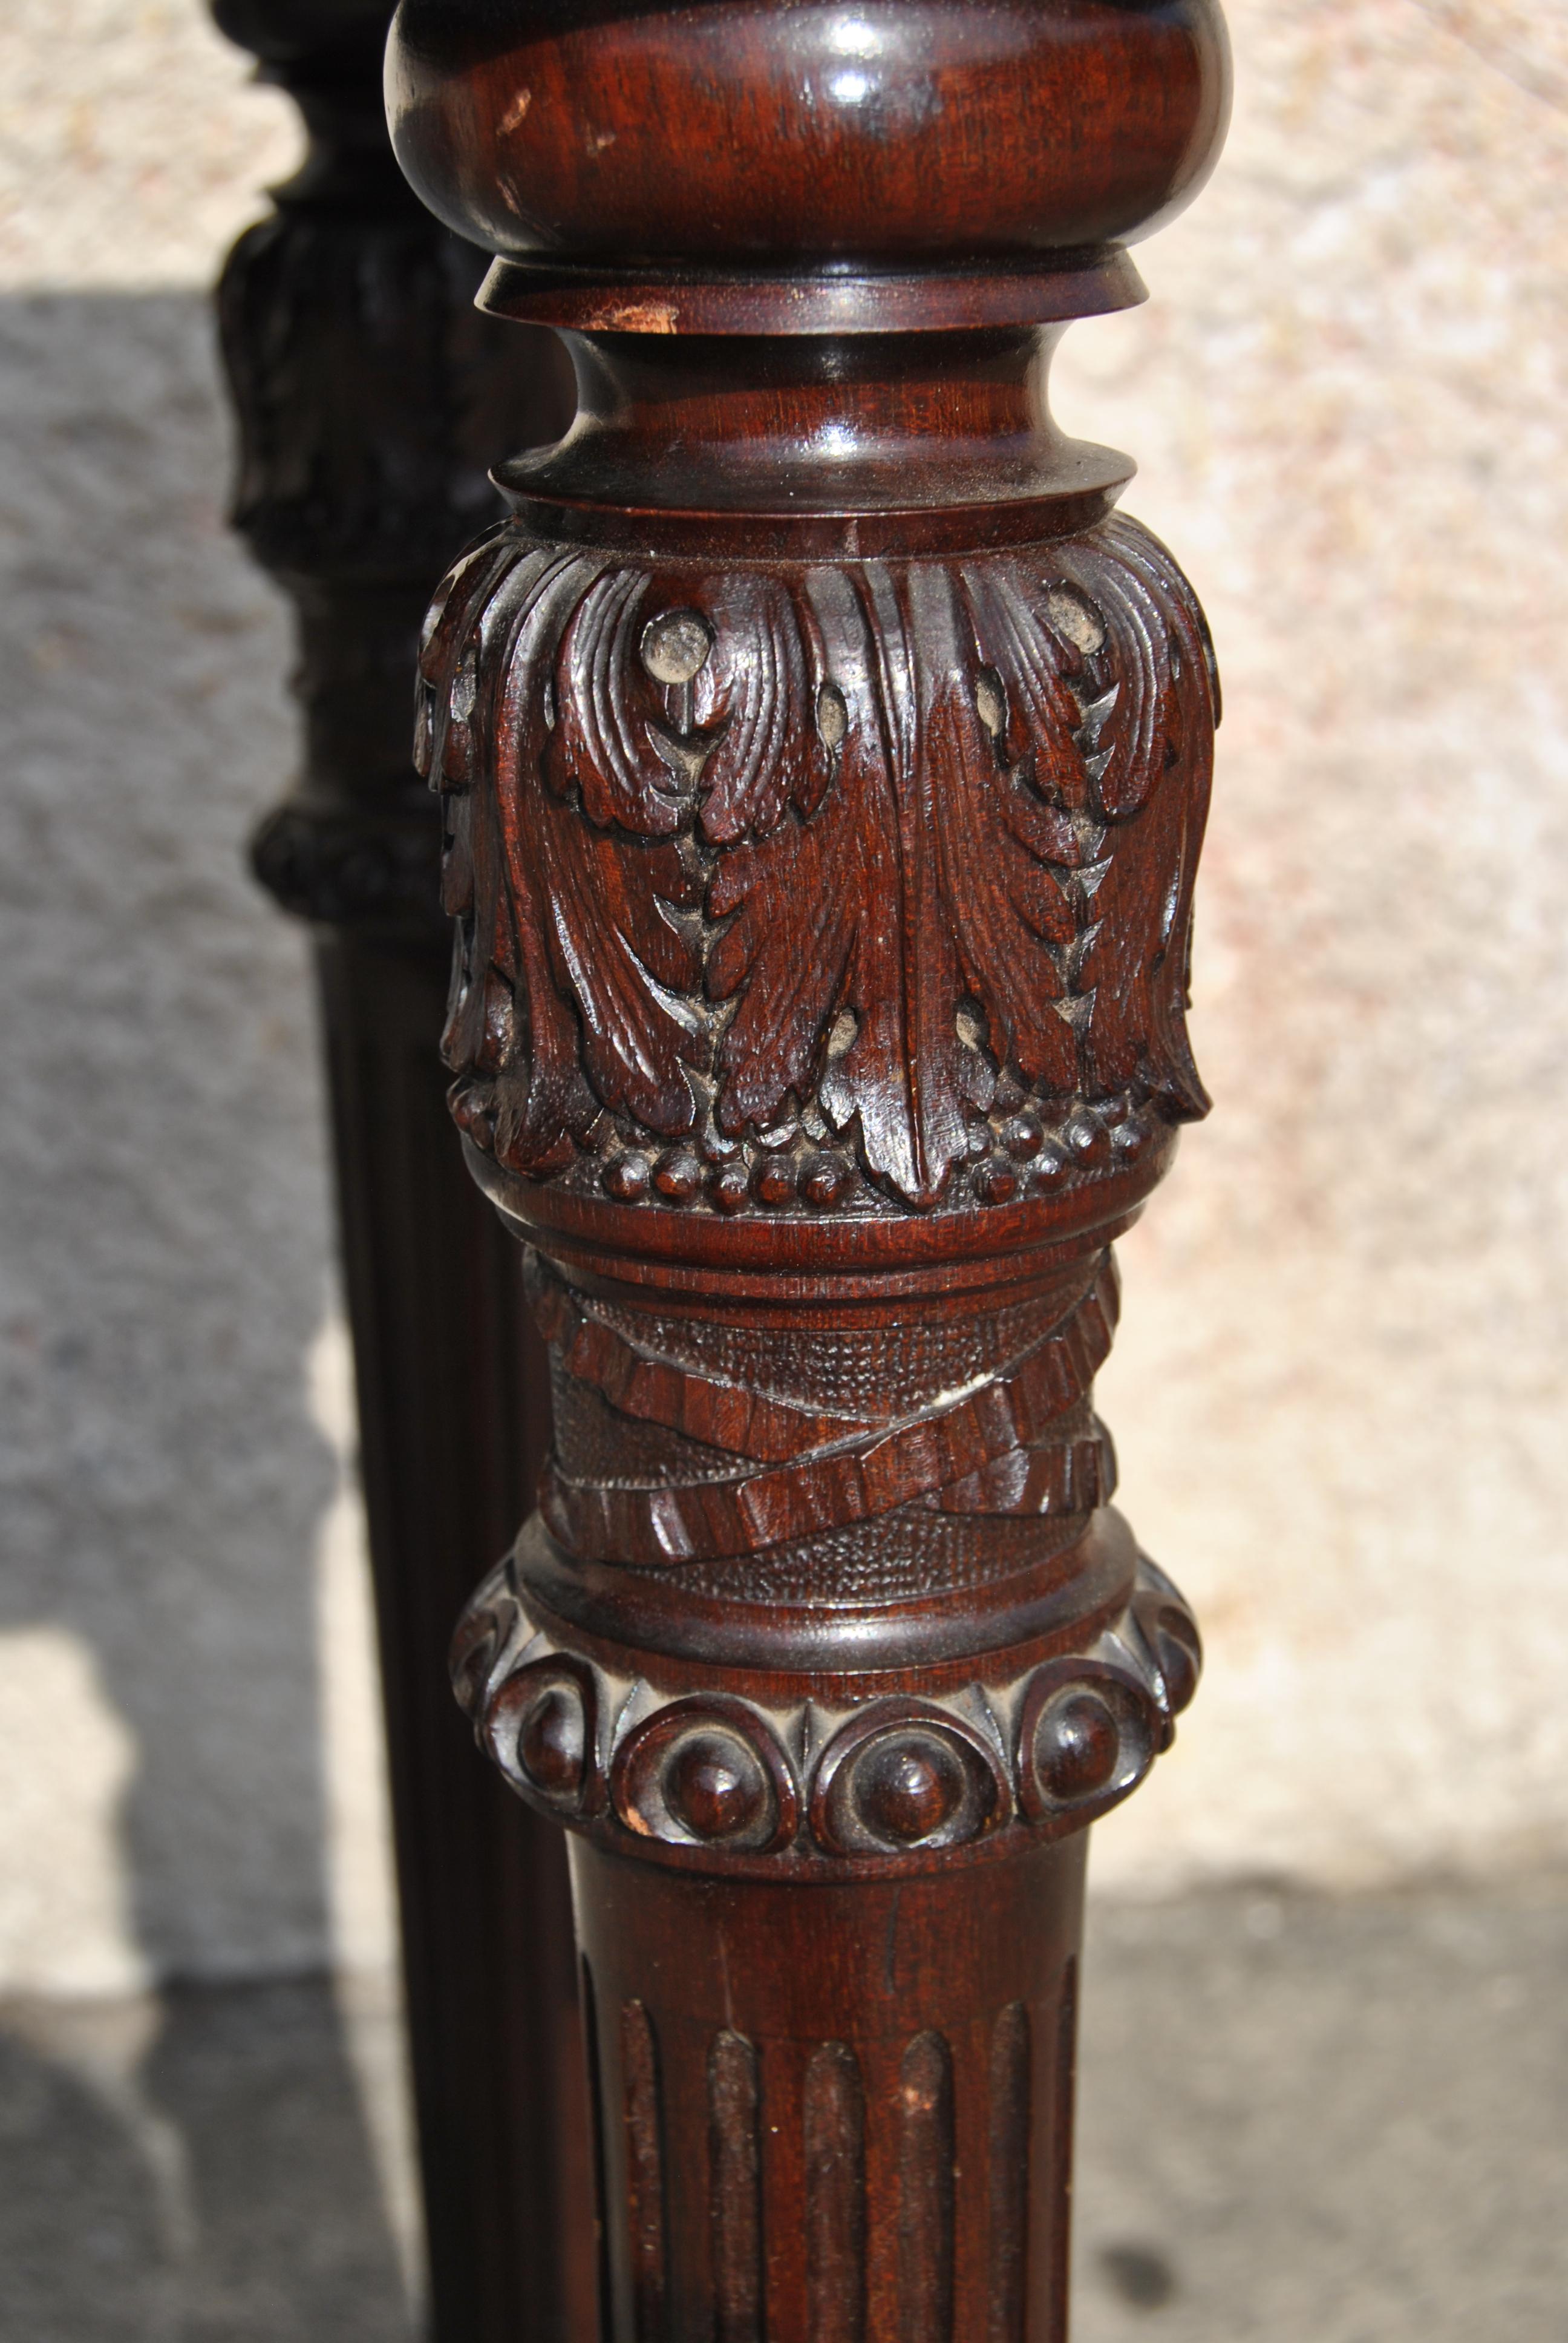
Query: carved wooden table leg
x=825, y=769
x=370, y=397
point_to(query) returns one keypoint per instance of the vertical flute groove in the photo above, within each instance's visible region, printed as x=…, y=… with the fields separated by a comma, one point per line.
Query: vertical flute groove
x=595, y=2063
x=644, y=2171
x=926, y=2192
x=734, y=2189
x=1065, y=2086
x=1009, y=2124
x=834, y=2127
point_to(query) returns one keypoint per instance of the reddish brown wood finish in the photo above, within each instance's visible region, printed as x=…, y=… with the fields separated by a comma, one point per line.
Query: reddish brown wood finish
x=839, y=2112
x=887, y=131
x=370, y=399
x=824, y=766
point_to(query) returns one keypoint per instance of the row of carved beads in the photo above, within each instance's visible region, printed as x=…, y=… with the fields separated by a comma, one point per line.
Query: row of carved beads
x=1035, y=1148
x=1050, y=1749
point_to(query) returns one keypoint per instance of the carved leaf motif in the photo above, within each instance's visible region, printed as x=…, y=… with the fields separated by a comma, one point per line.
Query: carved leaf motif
x=546, y=1099
x=754, y=697
x=572, y=909
x=1145, y=606
x=494, y=579
x=959, y=854
x=443, y=743
x=608, y=716
x=1039, y=712
x=815, y=931
x=778, y=843
x=913, y=1051
x=596, y=892
x=1000, y=844
x=478, y=567
x=631, y=973
x=1153, y=792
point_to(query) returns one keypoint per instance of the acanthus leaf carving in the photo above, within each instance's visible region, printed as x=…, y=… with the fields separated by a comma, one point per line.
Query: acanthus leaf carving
x=753, y=696
x=632, y=971
x=563, y=901
x=1001, y=846
x=817, y=944
x=884, y=850
x=605, y=743
x=1160, y=729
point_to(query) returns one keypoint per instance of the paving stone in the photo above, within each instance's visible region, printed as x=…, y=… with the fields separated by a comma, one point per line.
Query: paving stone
x=1301, y=2120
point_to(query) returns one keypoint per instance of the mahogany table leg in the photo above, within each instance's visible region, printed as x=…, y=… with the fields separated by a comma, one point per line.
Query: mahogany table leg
x=370, y=397
x=824, y=766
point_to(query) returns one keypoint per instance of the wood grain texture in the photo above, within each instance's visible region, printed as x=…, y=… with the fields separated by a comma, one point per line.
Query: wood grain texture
x=835, y=2239
x=1058, y=2180
x=914, y=134
x=926, y=2196
x=1011, y=2093
x=644, y=2204
x=735, y=2151
x=871, y=2008
x=824, y=764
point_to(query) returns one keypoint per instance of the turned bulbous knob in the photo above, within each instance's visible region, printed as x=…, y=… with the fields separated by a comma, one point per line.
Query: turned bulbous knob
x=928, y=132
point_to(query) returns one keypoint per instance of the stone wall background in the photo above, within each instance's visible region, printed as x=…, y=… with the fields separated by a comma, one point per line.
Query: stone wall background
x=1340, y=1388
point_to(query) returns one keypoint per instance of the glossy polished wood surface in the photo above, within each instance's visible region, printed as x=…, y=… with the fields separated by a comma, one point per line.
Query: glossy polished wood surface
x=712, y=438
x=886, y=130
x=824, y=763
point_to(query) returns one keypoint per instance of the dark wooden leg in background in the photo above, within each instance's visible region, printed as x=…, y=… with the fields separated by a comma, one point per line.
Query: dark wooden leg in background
x=825, y=766
x=370, y=398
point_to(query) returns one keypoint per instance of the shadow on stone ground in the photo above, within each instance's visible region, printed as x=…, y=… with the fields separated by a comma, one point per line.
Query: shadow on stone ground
x=1306, y=2121
x=199, y=2171
x=1301, y=2120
